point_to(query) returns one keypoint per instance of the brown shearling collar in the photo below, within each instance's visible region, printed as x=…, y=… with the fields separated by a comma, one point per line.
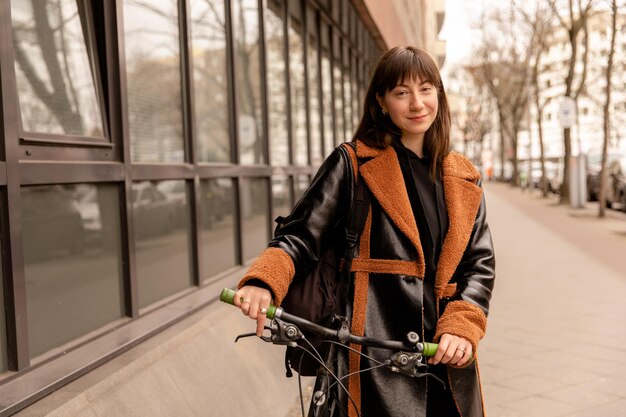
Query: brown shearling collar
x=383, y=177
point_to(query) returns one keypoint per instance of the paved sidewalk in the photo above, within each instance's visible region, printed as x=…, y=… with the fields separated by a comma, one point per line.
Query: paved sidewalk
x=556, y=340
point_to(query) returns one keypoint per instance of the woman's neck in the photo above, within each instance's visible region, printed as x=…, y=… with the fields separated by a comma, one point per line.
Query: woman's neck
x=415, y=144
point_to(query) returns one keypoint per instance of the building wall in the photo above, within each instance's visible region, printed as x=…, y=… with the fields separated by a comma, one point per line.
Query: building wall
x=146, y=148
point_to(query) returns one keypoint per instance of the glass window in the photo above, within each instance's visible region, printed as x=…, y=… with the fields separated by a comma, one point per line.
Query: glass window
x=302, y=183
x=339, y=125
x=217, y=225
x=254, y=216
x=55, y=68
x=248, y=81
x=153, y=77
x=314, y=104
x=347, y=91
x=327, y=80
x=3, y=330
x=208, y=38
x=298, y=99
x=162, y=233
x=281, y=195
x=72, y=261
x=355, y=94
x=276, y=90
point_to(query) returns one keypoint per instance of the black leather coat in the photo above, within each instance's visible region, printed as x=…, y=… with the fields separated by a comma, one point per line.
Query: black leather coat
x=389, y=269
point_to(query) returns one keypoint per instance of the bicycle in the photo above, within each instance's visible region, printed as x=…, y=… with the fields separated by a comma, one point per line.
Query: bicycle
x=286, y=329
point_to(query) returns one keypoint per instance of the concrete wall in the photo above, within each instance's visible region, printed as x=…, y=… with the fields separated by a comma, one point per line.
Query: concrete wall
x=191, y=369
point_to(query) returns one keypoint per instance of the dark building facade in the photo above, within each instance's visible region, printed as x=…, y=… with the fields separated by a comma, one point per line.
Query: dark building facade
x=146, y=146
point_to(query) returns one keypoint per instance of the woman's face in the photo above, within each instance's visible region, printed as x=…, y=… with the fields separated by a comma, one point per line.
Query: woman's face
x=412, y=106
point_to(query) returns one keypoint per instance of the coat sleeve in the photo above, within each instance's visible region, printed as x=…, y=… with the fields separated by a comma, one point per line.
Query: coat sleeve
x=466, y=311
x=297, y=245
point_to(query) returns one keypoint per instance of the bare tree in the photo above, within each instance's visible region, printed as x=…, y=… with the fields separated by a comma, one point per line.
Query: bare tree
x=58, y=94
x=501, y=67
x=573, y=25
x=607, y=104
x=470, y=113
x=540, y=26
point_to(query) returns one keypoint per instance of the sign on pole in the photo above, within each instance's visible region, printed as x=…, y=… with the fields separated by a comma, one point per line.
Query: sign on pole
x=567, y=112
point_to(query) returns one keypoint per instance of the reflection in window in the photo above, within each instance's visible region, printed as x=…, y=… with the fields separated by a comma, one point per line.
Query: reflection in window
x=355, y=99
x=339, y=118
x=329, y=137
x=248, y=81
x=314, y=105
x=72, y=257
x=217, y=225
x=347, y=91
x=302, y=183
x=162, y=232
x=281, y=196
x=255, y=216
x=3, y=330
x=153, y=80
x=298, y=109
x=55, y=68
x=208, y=36
x=276, y=90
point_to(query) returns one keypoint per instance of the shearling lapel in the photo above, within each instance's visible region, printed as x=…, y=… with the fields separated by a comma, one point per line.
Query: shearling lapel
x=463, y=199
x=384, y=178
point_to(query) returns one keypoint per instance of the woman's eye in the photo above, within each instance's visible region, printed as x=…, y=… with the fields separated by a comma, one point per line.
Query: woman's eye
x=401, y=93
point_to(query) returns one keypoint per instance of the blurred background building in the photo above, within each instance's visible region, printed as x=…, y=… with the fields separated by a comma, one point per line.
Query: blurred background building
x=512, y=66
x=147, y=146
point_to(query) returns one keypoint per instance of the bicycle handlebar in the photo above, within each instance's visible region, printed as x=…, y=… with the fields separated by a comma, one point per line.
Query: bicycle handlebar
x=425, y=348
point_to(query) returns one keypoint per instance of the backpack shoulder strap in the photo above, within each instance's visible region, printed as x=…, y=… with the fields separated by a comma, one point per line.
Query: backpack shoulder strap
x=358, y=211
x=351, y=148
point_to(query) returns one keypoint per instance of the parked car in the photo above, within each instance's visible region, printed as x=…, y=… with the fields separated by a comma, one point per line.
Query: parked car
x=176, y=192
x=594, y=164
x=154, y=214
x=51, y=222
x=554, y=176
x=616, y=183
x=216, y=201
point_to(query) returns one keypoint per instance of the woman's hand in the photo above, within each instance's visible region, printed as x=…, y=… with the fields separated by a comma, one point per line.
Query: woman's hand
x=254, y=302
x=453, y=350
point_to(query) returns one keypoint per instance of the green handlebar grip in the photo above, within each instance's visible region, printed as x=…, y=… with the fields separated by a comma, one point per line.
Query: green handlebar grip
x=228, y=296
x=430, y=349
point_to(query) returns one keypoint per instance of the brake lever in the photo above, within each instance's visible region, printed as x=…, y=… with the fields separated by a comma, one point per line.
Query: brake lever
x=281, y=333
x=411, y=364
x=241, y=336
x=268, y=339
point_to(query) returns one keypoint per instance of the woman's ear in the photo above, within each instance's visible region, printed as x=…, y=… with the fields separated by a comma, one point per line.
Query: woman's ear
x=381, y=102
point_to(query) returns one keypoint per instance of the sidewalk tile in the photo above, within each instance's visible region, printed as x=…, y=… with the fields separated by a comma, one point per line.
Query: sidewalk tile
x=496, y=394
x=614, y=409
x=533, y=384
x=536, y=406
x=497, y=411
x=582, y=396
x=569, y=375
x=493, y=373
x=613, y=385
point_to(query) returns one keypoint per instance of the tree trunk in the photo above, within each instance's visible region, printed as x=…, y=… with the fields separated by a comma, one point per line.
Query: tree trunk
x=607, y=106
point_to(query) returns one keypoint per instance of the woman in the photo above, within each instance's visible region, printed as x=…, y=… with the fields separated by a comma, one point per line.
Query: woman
x=425, y=256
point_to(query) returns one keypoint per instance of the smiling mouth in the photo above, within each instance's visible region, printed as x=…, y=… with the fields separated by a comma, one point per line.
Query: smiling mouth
x=418, y=117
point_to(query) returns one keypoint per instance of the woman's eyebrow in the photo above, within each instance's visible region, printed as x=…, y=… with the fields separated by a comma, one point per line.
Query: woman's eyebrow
x=407, y=85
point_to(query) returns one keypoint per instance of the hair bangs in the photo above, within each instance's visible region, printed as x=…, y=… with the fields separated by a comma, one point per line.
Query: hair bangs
x=407, y=64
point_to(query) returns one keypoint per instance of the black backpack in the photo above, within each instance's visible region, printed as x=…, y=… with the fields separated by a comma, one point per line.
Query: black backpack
x=320, y=296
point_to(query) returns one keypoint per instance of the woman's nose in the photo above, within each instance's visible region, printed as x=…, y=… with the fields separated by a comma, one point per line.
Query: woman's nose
x=416, y=102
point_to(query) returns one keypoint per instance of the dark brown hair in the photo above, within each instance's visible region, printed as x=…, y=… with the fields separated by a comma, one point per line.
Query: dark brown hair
x=377, y=130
